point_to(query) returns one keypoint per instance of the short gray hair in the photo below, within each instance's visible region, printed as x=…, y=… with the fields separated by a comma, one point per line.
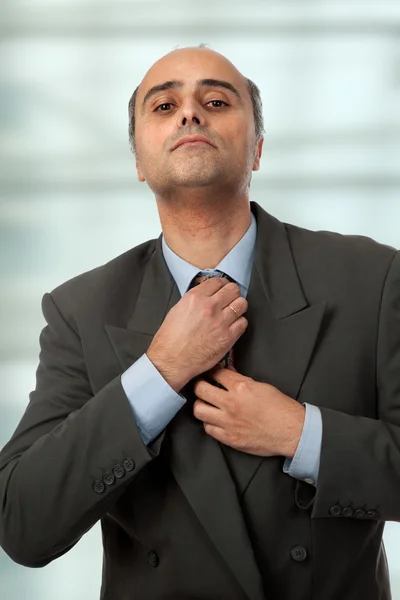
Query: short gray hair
x=255, y=100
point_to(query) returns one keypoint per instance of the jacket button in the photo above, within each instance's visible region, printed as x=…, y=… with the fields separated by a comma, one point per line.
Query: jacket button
x=360, y=513
x=372, y=514
x=153, y=558
x=336, y=510
x=99, y=487
x=108, y=478
x=298, y=553
x=119, y=471
x=129, y=465
x=347, y=512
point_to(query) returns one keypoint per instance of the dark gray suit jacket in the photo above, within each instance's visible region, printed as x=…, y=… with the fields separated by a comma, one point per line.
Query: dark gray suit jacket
x=189, y=519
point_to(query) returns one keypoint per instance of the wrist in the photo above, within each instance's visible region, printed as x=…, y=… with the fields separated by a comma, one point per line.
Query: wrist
x=171, y=373
x=295, y=432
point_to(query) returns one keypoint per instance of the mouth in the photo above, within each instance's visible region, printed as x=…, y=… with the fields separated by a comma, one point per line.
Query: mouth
x=193, y=141
x=197, y=143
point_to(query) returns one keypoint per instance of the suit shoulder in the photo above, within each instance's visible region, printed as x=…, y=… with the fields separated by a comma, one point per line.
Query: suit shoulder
x=339, y=266
x=118, y=274
x=344, y=249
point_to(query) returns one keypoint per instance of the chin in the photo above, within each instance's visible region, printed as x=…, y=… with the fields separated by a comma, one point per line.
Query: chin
x=195, y=183
x=201, y=178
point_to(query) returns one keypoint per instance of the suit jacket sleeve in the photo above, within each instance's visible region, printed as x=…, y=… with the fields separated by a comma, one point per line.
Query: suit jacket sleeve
x=65, y=443
x=360, y=456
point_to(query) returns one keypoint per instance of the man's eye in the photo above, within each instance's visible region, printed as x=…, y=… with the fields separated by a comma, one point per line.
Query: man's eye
x=220, y=101
x=163, y=104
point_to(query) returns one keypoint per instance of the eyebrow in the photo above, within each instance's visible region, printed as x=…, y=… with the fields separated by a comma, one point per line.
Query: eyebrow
x=174, y=84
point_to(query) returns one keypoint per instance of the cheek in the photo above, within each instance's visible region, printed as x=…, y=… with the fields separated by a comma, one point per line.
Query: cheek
x=146, y=136
x=150, y=144
x=239, y=138
x=143, y=142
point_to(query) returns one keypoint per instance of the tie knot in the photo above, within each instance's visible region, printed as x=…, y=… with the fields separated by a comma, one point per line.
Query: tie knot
x=200, y=278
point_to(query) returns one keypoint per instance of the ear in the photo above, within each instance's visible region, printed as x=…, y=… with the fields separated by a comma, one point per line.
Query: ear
x=257, y=158
x=139, y=172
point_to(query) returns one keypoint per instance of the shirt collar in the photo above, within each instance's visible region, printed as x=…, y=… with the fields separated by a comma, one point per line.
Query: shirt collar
x=237, y=263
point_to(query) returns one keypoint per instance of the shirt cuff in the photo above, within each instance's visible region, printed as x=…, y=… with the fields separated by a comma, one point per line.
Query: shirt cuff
x=154, y=403
x=305, y=463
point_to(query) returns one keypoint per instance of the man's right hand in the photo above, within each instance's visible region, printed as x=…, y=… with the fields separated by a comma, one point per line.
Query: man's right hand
x=198, y=331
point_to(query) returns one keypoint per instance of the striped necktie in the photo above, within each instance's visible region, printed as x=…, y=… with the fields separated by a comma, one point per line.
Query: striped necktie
x=228, y=358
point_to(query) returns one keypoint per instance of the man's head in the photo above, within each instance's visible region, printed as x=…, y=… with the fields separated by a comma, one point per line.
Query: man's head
x=189, y=92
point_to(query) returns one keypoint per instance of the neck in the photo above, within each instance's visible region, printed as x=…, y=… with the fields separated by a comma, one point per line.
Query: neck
x=202, y=232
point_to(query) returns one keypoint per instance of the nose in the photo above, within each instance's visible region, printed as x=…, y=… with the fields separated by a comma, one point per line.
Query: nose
x=191, y=114
x=188, y=121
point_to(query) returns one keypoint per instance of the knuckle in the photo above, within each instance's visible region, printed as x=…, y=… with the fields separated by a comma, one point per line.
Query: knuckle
x=224, y=339
x=190, y=302
x=269, y=389
x=241, y=387
x=231, y=287
x=237, y=290
x=243, y=304
x=207, y=310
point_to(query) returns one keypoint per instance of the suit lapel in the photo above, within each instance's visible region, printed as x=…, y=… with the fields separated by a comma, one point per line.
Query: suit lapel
x=282, y=329
x=276, y=349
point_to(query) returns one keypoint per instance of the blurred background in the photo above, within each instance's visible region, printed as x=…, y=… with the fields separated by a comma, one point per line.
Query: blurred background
x=329, y=74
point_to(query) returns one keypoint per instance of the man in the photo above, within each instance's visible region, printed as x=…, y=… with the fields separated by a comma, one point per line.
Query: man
x=270, y=479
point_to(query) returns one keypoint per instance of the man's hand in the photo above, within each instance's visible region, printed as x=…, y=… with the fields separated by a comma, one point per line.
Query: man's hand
x=198, y=331
x=249, y=416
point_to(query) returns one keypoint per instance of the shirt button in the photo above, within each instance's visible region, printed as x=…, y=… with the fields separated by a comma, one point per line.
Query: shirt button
x=153, y=558
x=309, y=480
x=108, y=478
x=129, y=464
x=119, y=471
x=99, y=487
x=298, y=553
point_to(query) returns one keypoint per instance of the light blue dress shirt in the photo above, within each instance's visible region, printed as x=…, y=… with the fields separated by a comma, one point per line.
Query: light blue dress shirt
x=155, y=403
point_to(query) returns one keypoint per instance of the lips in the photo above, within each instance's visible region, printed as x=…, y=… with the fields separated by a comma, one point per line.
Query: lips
x=192, y=139
x=194, y=143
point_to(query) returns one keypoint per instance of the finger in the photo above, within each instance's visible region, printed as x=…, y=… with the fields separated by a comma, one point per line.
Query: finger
x=207, y=413
x=229, y=294
x=209, y=393
x=225, y=376
x=216, y=432
x=239, y=306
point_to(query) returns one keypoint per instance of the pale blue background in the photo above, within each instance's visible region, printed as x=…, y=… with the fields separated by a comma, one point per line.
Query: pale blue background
x=329, y=73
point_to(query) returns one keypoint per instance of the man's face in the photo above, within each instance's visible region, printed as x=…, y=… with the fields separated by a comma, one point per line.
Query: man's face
x=220, y=110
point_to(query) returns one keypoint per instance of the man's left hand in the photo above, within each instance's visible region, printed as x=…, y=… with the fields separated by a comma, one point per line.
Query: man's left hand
x=250, y=416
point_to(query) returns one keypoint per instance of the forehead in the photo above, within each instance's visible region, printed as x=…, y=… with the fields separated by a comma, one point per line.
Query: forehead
x=190, y=66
